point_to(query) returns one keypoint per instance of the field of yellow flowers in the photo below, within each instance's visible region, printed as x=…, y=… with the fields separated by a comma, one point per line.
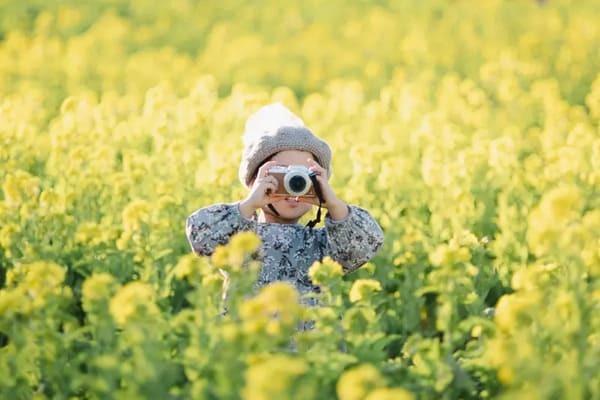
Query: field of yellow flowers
x=470, y=130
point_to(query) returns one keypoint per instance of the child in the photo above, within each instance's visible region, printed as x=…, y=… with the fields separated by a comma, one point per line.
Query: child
x=274, y=136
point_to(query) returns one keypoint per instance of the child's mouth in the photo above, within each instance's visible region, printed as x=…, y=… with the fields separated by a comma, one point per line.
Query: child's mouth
x=292, y=201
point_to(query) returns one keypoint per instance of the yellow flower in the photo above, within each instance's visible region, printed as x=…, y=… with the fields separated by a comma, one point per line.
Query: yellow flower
x=325, y=271
x=273, y=377
x=358, y=319
x=135, y=214
x=476, y=331
x=182, y=321
x=541, y=236
x=567, y=309
x=220, y=257
x=465, y=239
x=549, y=220
x=591, y=252
x=124, y=240
x=52, y=201
x=98, y=288
x=447, y=255
x=512, y=308
x=192, y=268
x=234, y=255
x=276, y=307
x=213, y=281
x=363, y=289
x=20, y=186
x=230, y=332
x=88, y=233
x=593, y=99
x=135, y=300
x=389, y=394
x=432, y=169
x=505, y=374
x=68, y=105
x=278, y=294
x=108, y=362
x=43, y=275
x=68, y=18
x=31, y=286
x=247, y=242
x=11, y=301
x=6, y=233
x=404, y=258
x=562, y=204
x=357, y=382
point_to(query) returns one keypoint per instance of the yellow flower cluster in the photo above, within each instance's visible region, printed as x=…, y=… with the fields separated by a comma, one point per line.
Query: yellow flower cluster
x=19, y=188
x=543, y=308
x=363, y=289
x=97, y=290
x=366, y=382
x=511, y=309
x=135, y=214
x=448, y=255
x=389, y=394
x=275, y=309
x=470, y=133
x=357, y=382
x=133, y=301
x=323, y=272
x=273, y=377
x=192, y=268
x=557, y=209
x=233, y=256
x=31, y=287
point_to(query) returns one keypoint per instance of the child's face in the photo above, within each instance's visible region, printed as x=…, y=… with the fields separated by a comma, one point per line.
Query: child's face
x=289, y=209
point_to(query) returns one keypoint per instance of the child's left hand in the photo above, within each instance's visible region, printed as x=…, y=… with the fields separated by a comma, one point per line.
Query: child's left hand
x=338, y=210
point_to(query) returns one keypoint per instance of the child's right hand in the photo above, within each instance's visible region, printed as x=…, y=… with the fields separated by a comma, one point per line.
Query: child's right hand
x=261, y=192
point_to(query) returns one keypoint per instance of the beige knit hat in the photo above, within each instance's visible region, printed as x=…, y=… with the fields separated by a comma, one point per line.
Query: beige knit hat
x=274, y=128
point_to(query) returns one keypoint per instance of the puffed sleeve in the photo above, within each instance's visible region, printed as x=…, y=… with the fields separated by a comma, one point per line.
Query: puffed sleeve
x=211, y=226
x=354, y=240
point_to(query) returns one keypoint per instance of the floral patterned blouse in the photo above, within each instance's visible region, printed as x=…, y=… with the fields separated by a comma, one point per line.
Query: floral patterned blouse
x=288, y=250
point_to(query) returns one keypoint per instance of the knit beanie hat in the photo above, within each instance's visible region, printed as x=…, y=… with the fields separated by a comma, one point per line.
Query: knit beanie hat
x=274, y=128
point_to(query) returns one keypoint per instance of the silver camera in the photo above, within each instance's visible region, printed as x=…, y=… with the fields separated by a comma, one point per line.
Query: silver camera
x=293, y=180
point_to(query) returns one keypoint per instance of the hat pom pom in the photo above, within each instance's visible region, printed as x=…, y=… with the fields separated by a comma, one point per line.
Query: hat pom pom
x=267, y=120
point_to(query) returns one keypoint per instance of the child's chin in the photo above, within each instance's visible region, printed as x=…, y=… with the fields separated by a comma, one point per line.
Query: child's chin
x=291, y=210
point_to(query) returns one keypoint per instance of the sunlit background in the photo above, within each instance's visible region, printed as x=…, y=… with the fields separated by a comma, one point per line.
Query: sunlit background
x=470, y=131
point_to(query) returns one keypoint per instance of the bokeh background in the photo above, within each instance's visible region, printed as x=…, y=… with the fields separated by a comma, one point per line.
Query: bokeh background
x=470, y=130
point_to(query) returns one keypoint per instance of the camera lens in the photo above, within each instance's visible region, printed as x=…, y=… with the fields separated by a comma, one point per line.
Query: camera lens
x=297, y=183
x=297, y=180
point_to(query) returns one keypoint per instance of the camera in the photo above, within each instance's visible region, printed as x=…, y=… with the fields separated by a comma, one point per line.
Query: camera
x=293, y=180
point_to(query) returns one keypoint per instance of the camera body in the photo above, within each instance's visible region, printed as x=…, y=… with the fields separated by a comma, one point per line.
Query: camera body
x=293, y=180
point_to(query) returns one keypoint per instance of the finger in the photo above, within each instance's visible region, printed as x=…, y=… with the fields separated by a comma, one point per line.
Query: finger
x=322, y=180
x=324, y=186
x=312, y=163
x=315, y=167
x=259, y=182
x=315, y=163
x=268, y=180
x=264, y=169
x=272, y=179
x=270, y=188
